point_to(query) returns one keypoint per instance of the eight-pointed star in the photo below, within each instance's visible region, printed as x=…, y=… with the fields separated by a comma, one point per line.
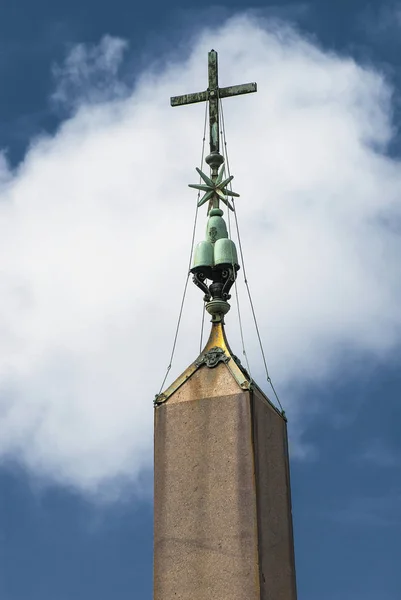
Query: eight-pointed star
x=217, y=188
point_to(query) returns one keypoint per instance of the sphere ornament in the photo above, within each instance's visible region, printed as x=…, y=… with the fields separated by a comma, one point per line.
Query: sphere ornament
x=214, y=160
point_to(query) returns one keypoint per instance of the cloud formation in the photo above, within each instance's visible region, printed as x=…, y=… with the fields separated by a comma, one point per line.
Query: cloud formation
x=95, y=229
x=90, y=73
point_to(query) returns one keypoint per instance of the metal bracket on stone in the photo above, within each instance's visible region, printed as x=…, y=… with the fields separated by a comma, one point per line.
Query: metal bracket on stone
x=212, y=357
x=159, y=399
x=241, y=366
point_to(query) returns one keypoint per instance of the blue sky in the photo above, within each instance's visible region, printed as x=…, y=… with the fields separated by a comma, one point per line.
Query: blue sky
x=93, y=167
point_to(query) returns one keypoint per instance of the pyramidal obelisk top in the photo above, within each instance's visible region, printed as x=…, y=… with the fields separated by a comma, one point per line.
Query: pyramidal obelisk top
x=215, y=258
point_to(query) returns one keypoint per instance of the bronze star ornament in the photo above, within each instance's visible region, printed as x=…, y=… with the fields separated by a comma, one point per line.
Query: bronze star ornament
x=215, y=190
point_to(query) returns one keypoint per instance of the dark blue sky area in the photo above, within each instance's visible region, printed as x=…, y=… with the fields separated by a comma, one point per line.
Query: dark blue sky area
x=347, y=498
x=34, y=36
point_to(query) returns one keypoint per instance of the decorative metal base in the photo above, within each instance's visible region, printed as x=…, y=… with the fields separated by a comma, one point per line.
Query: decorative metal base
x=217, y=308
x=212, y=357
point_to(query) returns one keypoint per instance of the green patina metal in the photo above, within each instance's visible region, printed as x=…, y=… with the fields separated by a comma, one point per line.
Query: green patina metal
x=215, y=258
x=213, y=95
x=189, y=99
x=215, y=188
x=237, y=90
x=203, y=255
x=225, y=253
x=216, y=226
x=214, y=102
x=217, y=249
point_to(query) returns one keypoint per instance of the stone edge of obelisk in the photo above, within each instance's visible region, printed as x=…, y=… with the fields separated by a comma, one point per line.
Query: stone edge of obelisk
x=273, y=497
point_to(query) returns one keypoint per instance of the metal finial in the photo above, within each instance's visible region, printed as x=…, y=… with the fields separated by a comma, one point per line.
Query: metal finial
x=215, y=258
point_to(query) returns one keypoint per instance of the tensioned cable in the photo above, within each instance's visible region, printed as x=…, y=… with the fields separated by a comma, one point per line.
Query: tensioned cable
x=189, y=264
x=241, y=329
x=202, y=327
x=269, y=380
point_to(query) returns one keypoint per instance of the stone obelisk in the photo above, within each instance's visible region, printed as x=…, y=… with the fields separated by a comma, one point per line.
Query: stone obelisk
x=222, y=522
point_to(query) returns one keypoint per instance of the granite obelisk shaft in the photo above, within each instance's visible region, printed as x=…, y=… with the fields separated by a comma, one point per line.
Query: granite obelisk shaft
x=223, y=524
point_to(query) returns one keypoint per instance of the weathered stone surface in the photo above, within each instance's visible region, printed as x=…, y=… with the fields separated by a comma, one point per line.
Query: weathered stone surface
x=276, y=544
x=206, y=383
x=222, y=504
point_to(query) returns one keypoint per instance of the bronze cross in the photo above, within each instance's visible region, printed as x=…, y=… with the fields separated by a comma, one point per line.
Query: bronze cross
x=213, y=95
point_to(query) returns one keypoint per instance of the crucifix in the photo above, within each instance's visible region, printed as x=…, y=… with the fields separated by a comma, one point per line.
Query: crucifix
x=213, y=94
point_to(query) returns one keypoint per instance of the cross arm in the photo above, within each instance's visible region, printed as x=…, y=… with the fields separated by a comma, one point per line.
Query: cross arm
x=189, y=98
x=236, y=90
x=226, y=92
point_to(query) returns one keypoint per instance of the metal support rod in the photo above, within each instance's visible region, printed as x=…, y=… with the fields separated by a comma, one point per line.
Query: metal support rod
x=214, y=102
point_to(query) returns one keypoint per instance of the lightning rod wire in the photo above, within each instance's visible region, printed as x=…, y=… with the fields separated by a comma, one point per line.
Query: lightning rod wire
x=189, y=267
x=268, y=378
x=202, y=327
x=241, y=329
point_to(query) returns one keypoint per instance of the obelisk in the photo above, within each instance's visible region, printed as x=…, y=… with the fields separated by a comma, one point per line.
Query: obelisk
x=222, y=516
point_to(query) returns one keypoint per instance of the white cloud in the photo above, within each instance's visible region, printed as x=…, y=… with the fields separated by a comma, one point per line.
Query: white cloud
x=95, y=227
x=90, y=73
